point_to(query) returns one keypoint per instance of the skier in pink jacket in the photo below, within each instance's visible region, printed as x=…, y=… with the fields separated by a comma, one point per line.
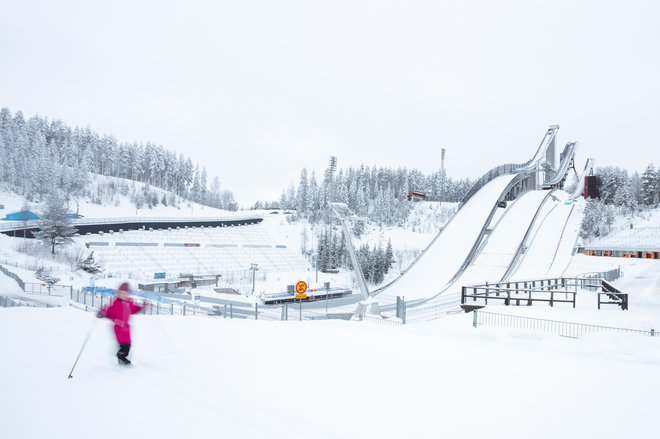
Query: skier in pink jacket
x=119, y=311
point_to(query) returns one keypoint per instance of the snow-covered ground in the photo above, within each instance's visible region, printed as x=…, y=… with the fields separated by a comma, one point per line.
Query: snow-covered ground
x=212, y=377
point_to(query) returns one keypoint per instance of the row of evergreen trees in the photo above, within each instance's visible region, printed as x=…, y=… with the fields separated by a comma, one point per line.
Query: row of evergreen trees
x=649, y=186
x=379, y=194
x=332, y=253
x=619, y=193
x=619, y=189
x=38, y=155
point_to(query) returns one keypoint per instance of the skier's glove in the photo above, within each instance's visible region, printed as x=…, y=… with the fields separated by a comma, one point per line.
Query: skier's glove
x=100, y=314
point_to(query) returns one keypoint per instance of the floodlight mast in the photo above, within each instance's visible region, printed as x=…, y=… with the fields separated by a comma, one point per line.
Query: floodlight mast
x=343, y=213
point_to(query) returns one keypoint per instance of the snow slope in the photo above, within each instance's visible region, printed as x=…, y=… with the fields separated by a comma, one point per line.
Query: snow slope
x=553, y=238
x=639, y=231
x=568, y=239
x=502, y=245
x=447, y=252
x=208, y=378
x=114, y=203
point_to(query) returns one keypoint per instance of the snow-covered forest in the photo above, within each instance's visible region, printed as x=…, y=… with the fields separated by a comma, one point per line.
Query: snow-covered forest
x=378, y=194
x=620, y=194
x=38, y=156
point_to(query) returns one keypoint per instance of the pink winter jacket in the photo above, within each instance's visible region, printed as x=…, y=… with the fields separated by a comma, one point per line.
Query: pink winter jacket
x=119, y=311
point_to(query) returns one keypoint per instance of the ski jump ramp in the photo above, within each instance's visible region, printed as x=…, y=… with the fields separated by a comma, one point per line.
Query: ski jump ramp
x=448, y=251
x=555, y=233
x=534, y=234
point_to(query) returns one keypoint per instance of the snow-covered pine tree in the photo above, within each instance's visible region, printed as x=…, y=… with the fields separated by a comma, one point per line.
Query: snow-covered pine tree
x=380, y=209
x=283, y=201
x=343, y=252
x=657, y=185
x=55, y=228
x=358, y=228
x=202, y=183
x=188, y=175
x=611, y=181
x=378, y=264
x=341, y=192
x=389, y=256
x=290, y=197
x=636, y=186
x=45, y=275
x=598, y=219
x=624, y=196
x=337, y=249
x=213, y=194
x=323, y=249
x=590, y=218
x=90, y=265
x=196, y=190
x=364, y=259
x=649, y=186
x=313, y=202
x=301, y=195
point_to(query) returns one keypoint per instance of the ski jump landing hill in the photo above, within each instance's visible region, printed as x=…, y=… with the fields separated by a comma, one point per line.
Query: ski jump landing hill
x=516, y=222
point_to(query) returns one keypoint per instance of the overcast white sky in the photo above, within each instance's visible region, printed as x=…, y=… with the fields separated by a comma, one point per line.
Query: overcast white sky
x=255, y=90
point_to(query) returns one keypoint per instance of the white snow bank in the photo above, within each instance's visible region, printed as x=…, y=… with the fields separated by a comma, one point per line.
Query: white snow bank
x=209, y=378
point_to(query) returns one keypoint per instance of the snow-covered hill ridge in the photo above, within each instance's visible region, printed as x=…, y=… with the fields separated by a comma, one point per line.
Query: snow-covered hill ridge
x=117, y=197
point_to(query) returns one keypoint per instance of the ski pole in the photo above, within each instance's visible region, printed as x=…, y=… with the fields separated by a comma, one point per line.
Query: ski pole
x=82, y=348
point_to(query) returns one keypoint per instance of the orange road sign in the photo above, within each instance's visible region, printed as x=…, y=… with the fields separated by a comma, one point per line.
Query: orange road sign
x=301, y=287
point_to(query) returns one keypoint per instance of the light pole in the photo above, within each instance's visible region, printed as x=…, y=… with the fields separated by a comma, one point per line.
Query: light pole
x=253, y=268
x=333, y=168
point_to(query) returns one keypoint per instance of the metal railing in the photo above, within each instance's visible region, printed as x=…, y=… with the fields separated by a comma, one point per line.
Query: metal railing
x=609, y=276
x=611, y=292
x=14, y=276
x=381, y=321
x=526, y=292
x=10, y=302
x=566, y=159
x=510, y=296
x=435, y=309
x=44, y=289
x=38, y=288
x=163, y=305
x=564, y=329
x=508, y=168
x=12, y=225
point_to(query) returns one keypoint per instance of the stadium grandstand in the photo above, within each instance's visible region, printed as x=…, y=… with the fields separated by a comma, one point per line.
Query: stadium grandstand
x=227, y=251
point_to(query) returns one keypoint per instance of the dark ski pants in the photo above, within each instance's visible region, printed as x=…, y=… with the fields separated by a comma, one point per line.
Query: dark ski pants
x=123, y=351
